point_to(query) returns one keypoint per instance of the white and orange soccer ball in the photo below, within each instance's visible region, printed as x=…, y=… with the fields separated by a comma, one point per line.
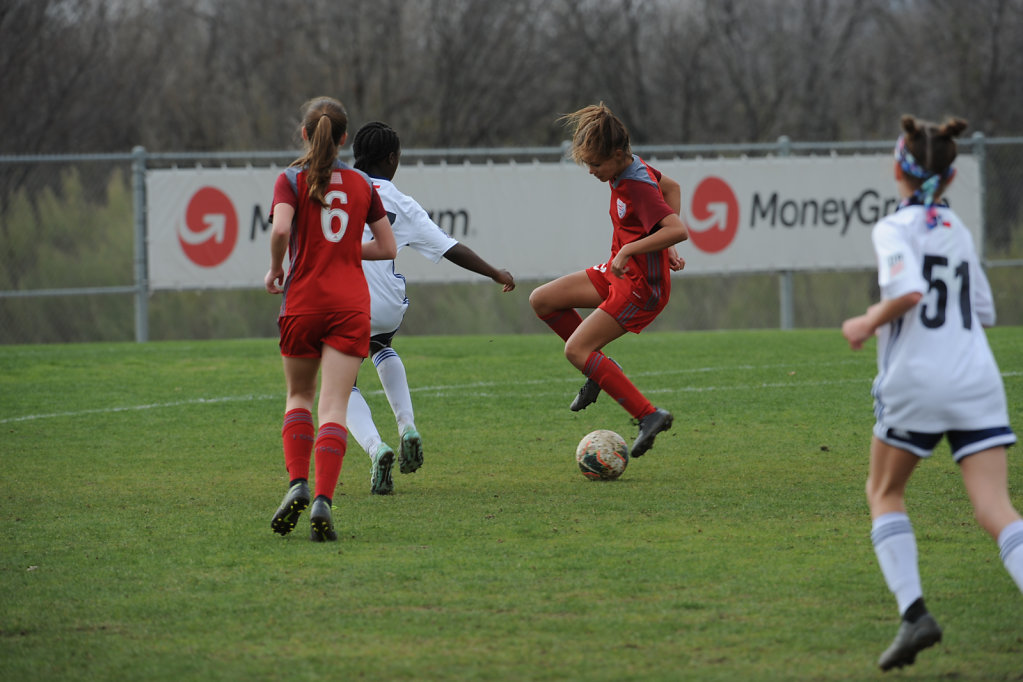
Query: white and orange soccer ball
x=602, y=455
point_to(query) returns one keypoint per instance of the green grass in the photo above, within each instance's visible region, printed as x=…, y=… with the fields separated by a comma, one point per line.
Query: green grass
x=138, y=483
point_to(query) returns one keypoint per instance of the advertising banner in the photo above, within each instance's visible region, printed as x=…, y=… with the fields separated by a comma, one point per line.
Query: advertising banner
x=209, y=228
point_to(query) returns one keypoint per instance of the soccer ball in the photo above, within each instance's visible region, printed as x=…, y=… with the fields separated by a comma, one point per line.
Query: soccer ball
x=602, y=455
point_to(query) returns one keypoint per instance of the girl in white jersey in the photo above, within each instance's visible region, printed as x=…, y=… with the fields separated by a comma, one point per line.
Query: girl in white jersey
x=936, y=375
x=377, y=152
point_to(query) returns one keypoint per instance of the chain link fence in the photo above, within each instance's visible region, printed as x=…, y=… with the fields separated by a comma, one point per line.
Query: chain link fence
x=72, y=259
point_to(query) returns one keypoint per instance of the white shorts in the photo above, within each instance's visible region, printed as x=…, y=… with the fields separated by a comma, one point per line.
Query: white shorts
x=385, y=316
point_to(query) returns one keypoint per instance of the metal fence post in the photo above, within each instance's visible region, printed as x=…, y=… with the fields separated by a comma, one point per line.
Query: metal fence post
x=138, y=170
x=980, y=153
x=786, y=304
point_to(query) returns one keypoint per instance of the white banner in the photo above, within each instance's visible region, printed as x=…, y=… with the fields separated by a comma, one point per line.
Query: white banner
x=208, y=228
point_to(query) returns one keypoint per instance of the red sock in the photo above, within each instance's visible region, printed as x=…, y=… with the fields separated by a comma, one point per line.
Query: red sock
x=297, y=433
x=612, y=380
x=330, y=452
x=563, y=322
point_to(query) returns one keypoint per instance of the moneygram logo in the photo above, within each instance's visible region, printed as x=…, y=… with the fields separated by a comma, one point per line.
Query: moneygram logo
x=713, y=215
x=210, y=231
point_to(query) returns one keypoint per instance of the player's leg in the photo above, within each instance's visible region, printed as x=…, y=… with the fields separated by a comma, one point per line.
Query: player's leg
x=338, y=372
x=360, y=422
x=986, y=476
x=895, y=546
x=555, y=302
x=394, y=381
x=298, y=434
x=364, y=430
x=300, y=378
x=583, y=350
x=381, y=456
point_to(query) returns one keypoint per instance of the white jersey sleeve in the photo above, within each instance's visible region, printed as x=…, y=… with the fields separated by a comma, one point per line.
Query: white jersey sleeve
x=412, y=224
x=412, y=227
x=898, y=264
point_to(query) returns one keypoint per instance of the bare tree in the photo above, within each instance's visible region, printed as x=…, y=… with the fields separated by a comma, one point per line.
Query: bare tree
x=94, y=75
x=484, y=59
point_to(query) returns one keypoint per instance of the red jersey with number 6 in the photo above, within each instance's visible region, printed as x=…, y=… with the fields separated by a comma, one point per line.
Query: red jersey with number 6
x=325, y=248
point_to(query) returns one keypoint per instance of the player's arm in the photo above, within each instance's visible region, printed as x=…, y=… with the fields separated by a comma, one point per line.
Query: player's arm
x=672, y=192
x=857, y=330
x=671, y=230
x=464, y=257
x=279, y=235
x=382, y=246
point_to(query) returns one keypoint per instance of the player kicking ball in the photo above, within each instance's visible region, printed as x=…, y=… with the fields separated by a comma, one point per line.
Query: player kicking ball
x=631, y=289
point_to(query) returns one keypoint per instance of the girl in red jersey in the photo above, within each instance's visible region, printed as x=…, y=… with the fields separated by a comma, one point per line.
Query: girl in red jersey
x=319, y=208
x=632, y=288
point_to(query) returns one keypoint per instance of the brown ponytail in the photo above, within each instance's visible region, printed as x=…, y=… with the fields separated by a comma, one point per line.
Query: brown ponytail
x=325, y=123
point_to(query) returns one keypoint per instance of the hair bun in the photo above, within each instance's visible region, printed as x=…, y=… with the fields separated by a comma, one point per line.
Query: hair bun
x=952, y=127
x=909, y=124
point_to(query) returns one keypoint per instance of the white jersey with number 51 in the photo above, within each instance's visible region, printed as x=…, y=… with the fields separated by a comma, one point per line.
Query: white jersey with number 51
x=936, y=372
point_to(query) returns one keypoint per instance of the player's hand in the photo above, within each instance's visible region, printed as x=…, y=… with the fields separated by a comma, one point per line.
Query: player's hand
x=619, y=265
x=273, y=280
x=857, y=330
x=675, y=261
x=504, y=277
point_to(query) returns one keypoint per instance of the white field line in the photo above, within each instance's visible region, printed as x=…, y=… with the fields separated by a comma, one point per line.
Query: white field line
x=480, y=386
x=139, y=408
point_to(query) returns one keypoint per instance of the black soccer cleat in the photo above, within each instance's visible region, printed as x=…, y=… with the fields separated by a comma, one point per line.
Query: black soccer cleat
x=294, y=502
x=586, y=397
x=649, y=426
x=911, y=639
x=587, y=394
x=321, y=522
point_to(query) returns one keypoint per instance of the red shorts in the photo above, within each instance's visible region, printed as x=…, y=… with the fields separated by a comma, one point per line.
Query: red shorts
x=634, y=304
x=303, y=336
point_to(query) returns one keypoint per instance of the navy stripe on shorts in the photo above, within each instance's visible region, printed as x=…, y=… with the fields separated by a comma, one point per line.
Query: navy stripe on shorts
x=963, y=443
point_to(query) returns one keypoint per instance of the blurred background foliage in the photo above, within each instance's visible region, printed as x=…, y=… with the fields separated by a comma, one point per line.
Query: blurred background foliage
x=106, y=75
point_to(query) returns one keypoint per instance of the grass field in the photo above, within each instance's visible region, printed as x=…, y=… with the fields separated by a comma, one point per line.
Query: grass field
x=138, y=483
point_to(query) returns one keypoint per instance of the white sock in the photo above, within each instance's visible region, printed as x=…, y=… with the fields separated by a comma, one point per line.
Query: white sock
x=392, y=377
x=1010, y=542
x=895, y=547
x=360, y=423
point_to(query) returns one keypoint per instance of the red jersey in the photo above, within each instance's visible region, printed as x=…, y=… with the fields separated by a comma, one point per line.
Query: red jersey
x=325, y=248
x=637, y=206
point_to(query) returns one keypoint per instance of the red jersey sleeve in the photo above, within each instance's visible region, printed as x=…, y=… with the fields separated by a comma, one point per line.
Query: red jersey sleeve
x=648, y=204
x=284, y=193
x=376, y=206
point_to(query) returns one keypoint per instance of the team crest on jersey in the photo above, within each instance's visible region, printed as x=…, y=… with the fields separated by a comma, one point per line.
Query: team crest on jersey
x=621, y=209
x=895, y=264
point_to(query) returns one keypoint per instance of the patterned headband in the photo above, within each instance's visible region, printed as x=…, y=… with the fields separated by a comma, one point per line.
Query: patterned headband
x=931, y=180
